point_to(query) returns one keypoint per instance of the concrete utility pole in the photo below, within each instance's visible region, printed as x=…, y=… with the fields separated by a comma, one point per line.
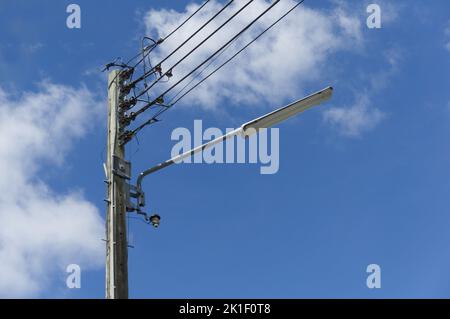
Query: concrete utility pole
x=124, y=197
x=117, y=171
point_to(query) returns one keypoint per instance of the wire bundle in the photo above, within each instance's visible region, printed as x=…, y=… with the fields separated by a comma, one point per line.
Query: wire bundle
x=137, y=100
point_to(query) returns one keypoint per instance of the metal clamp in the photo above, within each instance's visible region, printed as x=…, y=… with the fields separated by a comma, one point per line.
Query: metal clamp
x=121, y=168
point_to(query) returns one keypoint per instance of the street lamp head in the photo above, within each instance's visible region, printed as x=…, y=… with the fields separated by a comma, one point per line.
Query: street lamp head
x=155, y=220
x=286, y=112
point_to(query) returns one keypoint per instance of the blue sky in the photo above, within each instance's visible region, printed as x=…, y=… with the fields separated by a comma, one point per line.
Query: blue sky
x=363, y=178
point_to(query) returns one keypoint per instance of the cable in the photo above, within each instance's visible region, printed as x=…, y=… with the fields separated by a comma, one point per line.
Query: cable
x=195, y=48
x=153, y=119
x=148, y=47
x=143, y=59
x=155, y=43
x=189, y=18
x=145, y=107
x=166, y=37
x=145, y=51
x=140, y=127
x=184, y=42
x=237, y=53
x=199, y=73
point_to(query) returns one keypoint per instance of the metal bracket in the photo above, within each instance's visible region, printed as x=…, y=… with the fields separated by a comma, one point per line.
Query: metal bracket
x=141, y=199
x=125, y=74
x=131, y=191
x=121, y=168
x=127, y=104
x=125, y=137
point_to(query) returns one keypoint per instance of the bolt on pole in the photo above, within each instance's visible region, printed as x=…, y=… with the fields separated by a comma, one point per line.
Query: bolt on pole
x=116, y=236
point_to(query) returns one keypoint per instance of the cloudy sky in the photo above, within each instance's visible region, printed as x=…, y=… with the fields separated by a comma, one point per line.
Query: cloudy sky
x=363, y=179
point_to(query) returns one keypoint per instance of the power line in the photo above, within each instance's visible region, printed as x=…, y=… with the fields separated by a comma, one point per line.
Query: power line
x=148, y=105
x=194, y=49
x=144, y=63
x=184, y=42
x=238, y=52
x=189, y=18
x=148, y=48
x=155, y=43
x=199, y=73
x=145, y=51
x=153, y=119
x=205, y=61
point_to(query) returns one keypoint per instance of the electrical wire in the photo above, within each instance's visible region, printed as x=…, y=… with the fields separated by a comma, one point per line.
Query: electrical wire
x=170, y=34
x=145, y=51
x=238, y=52
x=185, y=21
x=140, y=127
x=194, y=49
x=143, y=59
x=199, y=73
x=153, y=119
x=133, y=115
x=148, y=47
x=185, y=41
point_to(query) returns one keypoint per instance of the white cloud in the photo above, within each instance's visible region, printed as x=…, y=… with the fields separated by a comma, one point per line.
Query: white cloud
x=32, y=47
x=355, y=120
x=447, y=29
x=362, y=116
x=277, y=67
x=447, y=35
x=380, y=80
x=42, y=231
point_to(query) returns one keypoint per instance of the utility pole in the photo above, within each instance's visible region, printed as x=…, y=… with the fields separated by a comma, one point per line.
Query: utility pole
x=117, y=171
x=123, y=197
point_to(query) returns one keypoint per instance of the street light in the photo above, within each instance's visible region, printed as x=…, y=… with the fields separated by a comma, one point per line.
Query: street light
x=245, y=130
x=286, y=112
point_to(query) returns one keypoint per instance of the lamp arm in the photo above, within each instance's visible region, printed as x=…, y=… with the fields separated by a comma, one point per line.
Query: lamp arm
x=245, y=130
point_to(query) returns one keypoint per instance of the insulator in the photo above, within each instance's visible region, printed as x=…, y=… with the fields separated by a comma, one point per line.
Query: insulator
x=126, y=74
x=127, y=104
